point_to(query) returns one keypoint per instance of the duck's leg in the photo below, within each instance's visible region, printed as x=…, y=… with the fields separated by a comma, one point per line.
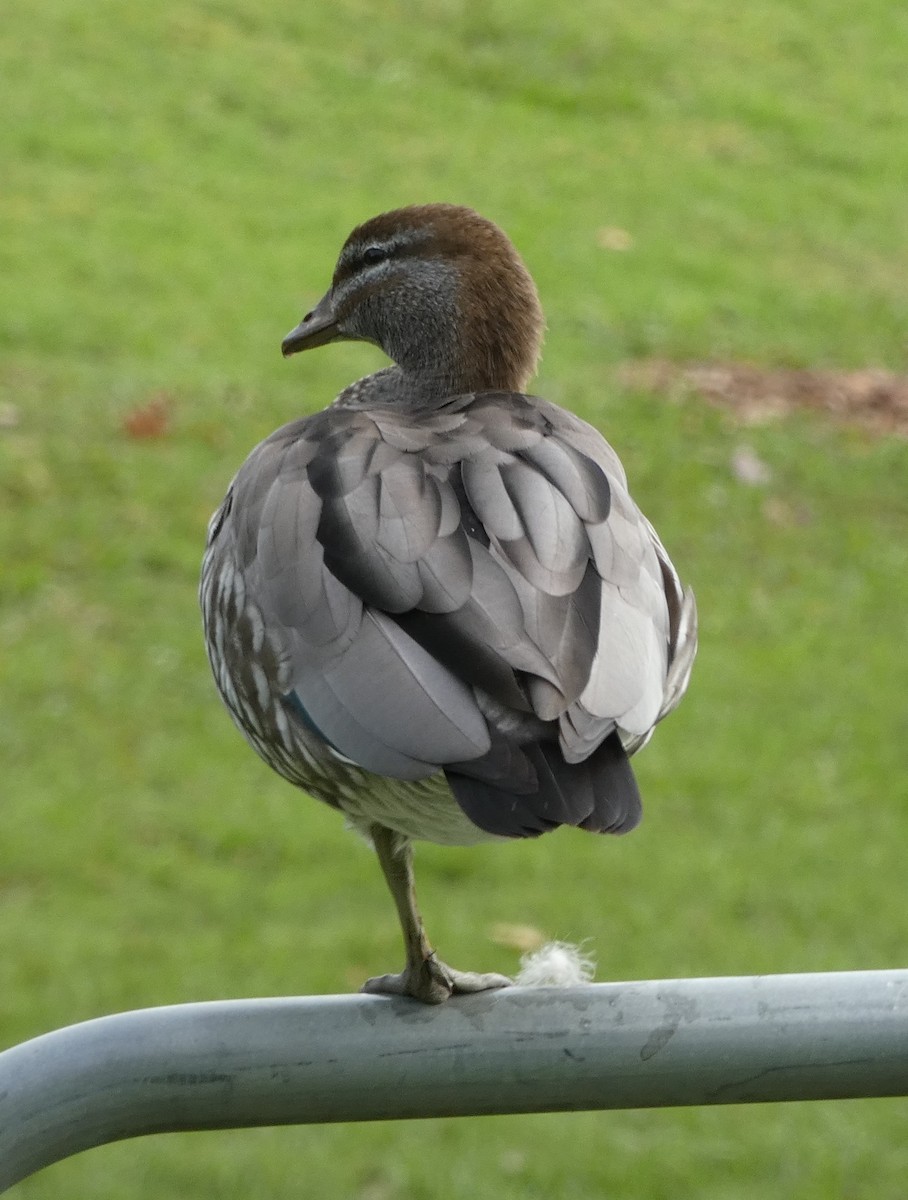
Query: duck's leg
x=425, y=977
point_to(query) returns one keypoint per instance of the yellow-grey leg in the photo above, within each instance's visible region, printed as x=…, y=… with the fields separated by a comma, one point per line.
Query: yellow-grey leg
x=424, y=977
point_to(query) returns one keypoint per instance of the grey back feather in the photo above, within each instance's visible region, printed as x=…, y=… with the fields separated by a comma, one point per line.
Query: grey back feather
x=466, y=587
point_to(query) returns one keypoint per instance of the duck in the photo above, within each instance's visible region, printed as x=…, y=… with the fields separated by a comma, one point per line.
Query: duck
x=433, y=605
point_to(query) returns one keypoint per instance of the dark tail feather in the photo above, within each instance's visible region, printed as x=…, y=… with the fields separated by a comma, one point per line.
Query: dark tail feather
x=599, y=794
x=618, y=806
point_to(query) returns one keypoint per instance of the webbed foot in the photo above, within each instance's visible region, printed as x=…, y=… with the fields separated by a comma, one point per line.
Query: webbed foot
x=433, y=982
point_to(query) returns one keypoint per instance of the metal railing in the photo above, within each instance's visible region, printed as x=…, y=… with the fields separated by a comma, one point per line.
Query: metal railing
x=236, y=1063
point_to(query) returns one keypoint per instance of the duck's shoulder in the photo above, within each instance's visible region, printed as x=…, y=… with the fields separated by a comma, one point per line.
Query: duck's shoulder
x=470, y=423
x=512, y=435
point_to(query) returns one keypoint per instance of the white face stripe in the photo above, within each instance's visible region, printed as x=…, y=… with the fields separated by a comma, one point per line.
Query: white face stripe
x=400, y=239
x=358, y=277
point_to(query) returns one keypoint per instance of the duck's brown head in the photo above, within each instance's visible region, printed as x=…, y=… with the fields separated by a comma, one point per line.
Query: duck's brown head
x=442, y=291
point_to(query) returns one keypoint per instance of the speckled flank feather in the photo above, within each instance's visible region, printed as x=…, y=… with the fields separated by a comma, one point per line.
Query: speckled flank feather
x=434, y=605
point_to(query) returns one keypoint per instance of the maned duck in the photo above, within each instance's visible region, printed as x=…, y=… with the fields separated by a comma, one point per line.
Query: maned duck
x=434, y=605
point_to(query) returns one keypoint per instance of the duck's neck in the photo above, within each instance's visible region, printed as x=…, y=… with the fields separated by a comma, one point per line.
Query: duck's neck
x=410, y=389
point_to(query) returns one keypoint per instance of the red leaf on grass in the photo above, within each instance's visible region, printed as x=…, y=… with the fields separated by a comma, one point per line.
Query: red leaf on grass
x=151, y=420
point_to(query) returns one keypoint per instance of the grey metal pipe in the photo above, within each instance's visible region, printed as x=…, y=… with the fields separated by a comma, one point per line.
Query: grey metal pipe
x=234, y=1063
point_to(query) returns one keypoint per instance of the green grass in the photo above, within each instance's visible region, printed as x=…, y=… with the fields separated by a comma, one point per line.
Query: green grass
x=177, y=178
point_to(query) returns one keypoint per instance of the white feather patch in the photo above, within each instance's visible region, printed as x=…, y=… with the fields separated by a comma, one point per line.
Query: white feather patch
x=557, y=964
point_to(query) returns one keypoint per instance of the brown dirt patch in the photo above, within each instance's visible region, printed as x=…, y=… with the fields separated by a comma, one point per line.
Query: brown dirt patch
x=871, y=398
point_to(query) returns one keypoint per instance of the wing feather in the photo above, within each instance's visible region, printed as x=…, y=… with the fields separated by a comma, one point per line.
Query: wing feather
x=468, y=587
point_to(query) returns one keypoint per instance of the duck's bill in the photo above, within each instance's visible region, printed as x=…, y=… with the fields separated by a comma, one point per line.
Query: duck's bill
x=317, y=328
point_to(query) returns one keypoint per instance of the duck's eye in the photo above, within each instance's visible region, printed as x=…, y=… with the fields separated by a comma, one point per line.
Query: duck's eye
x=374, y=254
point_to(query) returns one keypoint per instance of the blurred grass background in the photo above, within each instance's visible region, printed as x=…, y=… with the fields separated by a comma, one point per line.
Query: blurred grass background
x=688, y=180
